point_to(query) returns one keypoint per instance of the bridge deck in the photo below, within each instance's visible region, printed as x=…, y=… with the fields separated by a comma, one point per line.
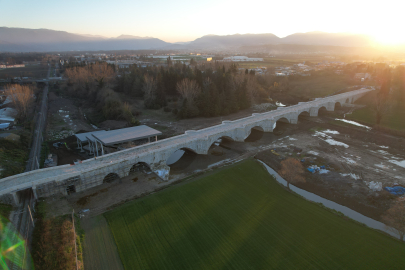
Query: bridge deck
x=26, y=180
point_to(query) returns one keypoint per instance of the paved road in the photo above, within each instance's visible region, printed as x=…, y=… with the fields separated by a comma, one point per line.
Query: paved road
x=21, y=215
x=35, y=153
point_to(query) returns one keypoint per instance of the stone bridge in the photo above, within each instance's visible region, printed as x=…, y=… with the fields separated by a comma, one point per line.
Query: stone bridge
x=93, y=172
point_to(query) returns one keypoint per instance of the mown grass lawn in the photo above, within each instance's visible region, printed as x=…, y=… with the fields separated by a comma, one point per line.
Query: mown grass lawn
x=240, y=218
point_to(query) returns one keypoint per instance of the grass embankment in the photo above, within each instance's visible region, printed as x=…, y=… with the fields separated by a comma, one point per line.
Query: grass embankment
x=393, y=119
x=13, y=157
x=52, y=242
x=241, y=218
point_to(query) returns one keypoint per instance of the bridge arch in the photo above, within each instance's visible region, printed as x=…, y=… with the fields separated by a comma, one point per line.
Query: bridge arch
x=255, y=133
x=283, y=119
x=177, y=154
x=338, y=106
x=322, y=111
x=303, y=115
x=280, y=125
x=111, y=177
x=139, y=166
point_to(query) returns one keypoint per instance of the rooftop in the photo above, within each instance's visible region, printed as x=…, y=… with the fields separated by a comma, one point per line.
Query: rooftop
x=83, y=136
x=126, y=134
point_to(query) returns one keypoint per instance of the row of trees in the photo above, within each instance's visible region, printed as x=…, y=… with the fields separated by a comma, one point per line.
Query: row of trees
x=391, y=95
x=209, y=90
x=94, y=83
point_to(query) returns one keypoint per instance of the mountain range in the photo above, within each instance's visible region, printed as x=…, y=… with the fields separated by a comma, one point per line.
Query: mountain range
x=45, y=40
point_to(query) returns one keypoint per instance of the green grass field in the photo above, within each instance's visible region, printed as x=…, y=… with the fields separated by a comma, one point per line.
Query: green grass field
x=100, y=252
x=320, y=84
x=241, y=218
x=393, y=119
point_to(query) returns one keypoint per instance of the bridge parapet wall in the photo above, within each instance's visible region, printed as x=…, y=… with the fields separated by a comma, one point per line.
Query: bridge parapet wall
x=92, y=172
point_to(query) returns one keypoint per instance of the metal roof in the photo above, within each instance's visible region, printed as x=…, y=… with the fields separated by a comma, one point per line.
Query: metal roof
x=83, y=136
x=126, y=134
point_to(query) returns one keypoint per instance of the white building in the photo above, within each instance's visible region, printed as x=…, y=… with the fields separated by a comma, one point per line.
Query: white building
x=242, y=59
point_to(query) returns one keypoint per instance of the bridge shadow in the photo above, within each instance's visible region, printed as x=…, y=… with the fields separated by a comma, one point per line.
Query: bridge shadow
x=256, y=134
x=184, y=162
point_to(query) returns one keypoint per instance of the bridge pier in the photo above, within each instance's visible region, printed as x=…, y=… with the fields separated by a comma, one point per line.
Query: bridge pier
x=294, y=121
x=15, y=198
x=330, y=107
x=76, y=178
x=313, y=112
x=34, y=191
x=163, y=172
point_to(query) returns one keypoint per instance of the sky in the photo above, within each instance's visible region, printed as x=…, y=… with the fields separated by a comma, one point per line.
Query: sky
x=185, y=20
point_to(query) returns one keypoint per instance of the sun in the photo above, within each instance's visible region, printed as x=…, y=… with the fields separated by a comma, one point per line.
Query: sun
x=389, y=37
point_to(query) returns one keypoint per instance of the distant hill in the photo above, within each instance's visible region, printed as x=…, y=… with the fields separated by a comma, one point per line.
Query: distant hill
x=43, y=40
x=311, y=38
x=232, y=41
x=328, y=39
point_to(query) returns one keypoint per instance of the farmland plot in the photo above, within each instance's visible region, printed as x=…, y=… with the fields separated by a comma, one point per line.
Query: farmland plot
x=100, y=251
x=241, y=218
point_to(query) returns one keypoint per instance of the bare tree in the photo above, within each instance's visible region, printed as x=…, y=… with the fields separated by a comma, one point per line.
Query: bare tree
x=22, y=97
x=188, y=89
x=98, y=73
x=149, y=87
x=206, y=83
x=395, y=219
x=291, y=171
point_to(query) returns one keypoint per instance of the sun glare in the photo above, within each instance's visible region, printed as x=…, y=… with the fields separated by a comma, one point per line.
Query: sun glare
x=389, y=38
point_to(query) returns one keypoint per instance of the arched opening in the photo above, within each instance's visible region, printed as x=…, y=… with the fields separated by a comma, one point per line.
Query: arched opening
x=322, y=111
x=347, y=100
x=256, y=133
x=338, y=106
x=181, y=159
x=280, y=126
x=111, y=177
x=140, y=167
x=220, y=145
x=304, y=116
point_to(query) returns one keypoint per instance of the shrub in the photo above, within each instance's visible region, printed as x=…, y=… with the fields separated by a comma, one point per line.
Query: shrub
x=167, y=109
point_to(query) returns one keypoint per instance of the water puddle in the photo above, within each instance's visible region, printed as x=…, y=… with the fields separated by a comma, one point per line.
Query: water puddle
x=353, y=123
x=332, y=205
x=325, y=137
x=398, y=163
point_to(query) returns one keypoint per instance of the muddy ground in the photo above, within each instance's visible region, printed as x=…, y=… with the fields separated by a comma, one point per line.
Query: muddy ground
x=352, y=155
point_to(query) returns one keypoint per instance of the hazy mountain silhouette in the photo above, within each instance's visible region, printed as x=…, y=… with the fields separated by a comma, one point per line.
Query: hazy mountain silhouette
x=42, y=40
x=229, y=41
x=329, y=39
